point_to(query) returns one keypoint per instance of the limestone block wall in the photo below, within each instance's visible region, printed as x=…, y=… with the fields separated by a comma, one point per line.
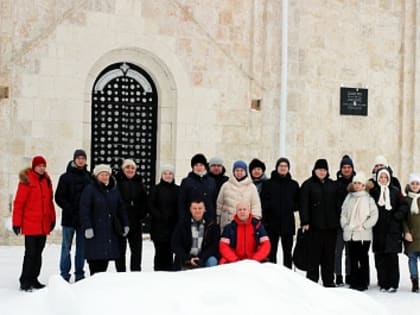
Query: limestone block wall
x=367, y=44
x=209, y=59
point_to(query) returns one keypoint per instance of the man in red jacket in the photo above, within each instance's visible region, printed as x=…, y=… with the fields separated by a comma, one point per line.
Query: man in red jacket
x=34, y=217
x=244, y=238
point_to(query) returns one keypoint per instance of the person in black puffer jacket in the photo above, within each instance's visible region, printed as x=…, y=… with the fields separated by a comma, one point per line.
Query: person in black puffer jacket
x=388, y=231
x=197, y=185
x=163, y=203
x=319, y=217
x=344, y=179
x=67, y=197
x=134, y=196
x=280, y=199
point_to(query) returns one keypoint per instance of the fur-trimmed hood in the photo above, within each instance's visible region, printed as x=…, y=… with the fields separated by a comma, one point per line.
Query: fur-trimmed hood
x=369, y=185
x=25, y=174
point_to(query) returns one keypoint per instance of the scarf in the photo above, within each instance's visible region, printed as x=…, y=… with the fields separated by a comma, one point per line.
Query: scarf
x=414, y=203
x=360, y=211
x=197, y=233
x=384, y=198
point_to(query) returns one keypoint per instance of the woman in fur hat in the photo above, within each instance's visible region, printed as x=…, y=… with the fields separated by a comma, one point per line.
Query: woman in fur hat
x=412, y=229
x=359, y=214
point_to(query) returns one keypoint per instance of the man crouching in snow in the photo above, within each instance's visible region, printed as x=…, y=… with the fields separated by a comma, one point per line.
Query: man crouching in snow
x=244, y=238
x=195, y=239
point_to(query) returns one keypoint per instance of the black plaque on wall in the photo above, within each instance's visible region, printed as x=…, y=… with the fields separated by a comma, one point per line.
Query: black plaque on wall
x=353, y=101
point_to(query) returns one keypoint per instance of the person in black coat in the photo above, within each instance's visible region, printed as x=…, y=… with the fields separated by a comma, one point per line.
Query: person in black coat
x=217, y=172
x=134, y=196
x=198, y=185
x=319, y=217
x=344, y=179
x=280, y=199
x=103, y=219
x=388, y=231
x=195, y=240
x=163, y=203
x=67, y=197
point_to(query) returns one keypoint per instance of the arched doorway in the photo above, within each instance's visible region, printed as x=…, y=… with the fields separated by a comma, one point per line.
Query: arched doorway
x=124, y=119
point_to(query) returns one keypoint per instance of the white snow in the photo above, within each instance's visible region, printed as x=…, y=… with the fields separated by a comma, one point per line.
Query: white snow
x=243, y=288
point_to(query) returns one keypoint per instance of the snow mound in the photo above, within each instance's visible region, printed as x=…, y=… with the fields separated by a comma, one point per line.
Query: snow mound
x=242, y=288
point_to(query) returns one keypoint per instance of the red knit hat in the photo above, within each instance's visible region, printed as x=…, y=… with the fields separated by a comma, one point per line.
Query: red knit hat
x=36, y=160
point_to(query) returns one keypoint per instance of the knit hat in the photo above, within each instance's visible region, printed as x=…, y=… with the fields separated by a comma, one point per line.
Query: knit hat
x=283, y=160
x=321, y=163
x=215, y=161
x=79, y=152
x=37, y=160
x=256, y=163
x=128, y=162
x=381, y=160
x=383, y=170
x=198, y=158
x=346, y=160
x=414, y=177
x=102, y=168
x=360, y=178
x=167, y=168
x=240, y=164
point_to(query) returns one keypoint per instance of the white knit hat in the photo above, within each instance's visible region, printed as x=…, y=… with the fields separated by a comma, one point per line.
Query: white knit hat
x=215, y=161
x=360, y=177
x=167, y=168
x=414, y=177
x=128, y=162
x=381, y=160
x=101, y=168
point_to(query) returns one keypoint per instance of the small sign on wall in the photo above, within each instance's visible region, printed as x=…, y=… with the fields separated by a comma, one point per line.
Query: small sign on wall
x=353, y=101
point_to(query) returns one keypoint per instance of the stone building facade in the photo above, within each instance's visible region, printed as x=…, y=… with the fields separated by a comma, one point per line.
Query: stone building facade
x=208, y=60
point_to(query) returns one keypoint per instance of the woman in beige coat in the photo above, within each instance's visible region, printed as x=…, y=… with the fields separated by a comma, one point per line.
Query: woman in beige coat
x=239, y=188
x=359, y=214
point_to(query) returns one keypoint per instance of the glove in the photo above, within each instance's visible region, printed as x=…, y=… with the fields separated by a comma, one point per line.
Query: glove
x=16, y=229
x=89, y=233
x=126, y=230
x=52, y=226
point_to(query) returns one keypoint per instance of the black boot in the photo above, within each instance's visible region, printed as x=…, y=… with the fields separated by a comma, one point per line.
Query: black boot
x=415, y=282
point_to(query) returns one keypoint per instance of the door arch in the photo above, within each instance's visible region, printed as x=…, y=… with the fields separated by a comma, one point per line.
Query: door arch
x=124, y=119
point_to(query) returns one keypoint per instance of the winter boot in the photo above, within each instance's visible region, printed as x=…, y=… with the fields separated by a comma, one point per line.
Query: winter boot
x=415, y=282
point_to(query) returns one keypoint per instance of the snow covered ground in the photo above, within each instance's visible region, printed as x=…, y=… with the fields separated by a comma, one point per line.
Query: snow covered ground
x=243, y=288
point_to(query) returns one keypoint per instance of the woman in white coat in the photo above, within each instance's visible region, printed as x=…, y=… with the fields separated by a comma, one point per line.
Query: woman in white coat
x=239, y=188
x=359, y=214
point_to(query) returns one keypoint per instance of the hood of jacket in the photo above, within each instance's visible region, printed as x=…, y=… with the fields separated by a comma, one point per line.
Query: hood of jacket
x=27, y=173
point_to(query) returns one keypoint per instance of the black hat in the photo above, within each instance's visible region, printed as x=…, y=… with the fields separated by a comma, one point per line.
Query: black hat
x=79, y=152
x=256, y=163
x=321, y=163
x=198, y=158
x=283, y=160
x=346, y=160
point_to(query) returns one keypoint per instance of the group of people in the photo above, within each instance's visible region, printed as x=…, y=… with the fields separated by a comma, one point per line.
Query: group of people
x=212, y=219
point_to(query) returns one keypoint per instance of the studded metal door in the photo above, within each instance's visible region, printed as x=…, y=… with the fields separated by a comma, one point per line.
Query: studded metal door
x=124, y=119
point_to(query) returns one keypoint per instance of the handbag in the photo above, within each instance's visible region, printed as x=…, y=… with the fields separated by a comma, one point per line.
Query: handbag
x=301, y=251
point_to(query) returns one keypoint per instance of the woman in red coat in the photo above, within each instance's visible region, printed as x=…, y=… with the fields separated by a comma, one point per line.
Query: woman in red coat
x=244, y=238
x=34, y=217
